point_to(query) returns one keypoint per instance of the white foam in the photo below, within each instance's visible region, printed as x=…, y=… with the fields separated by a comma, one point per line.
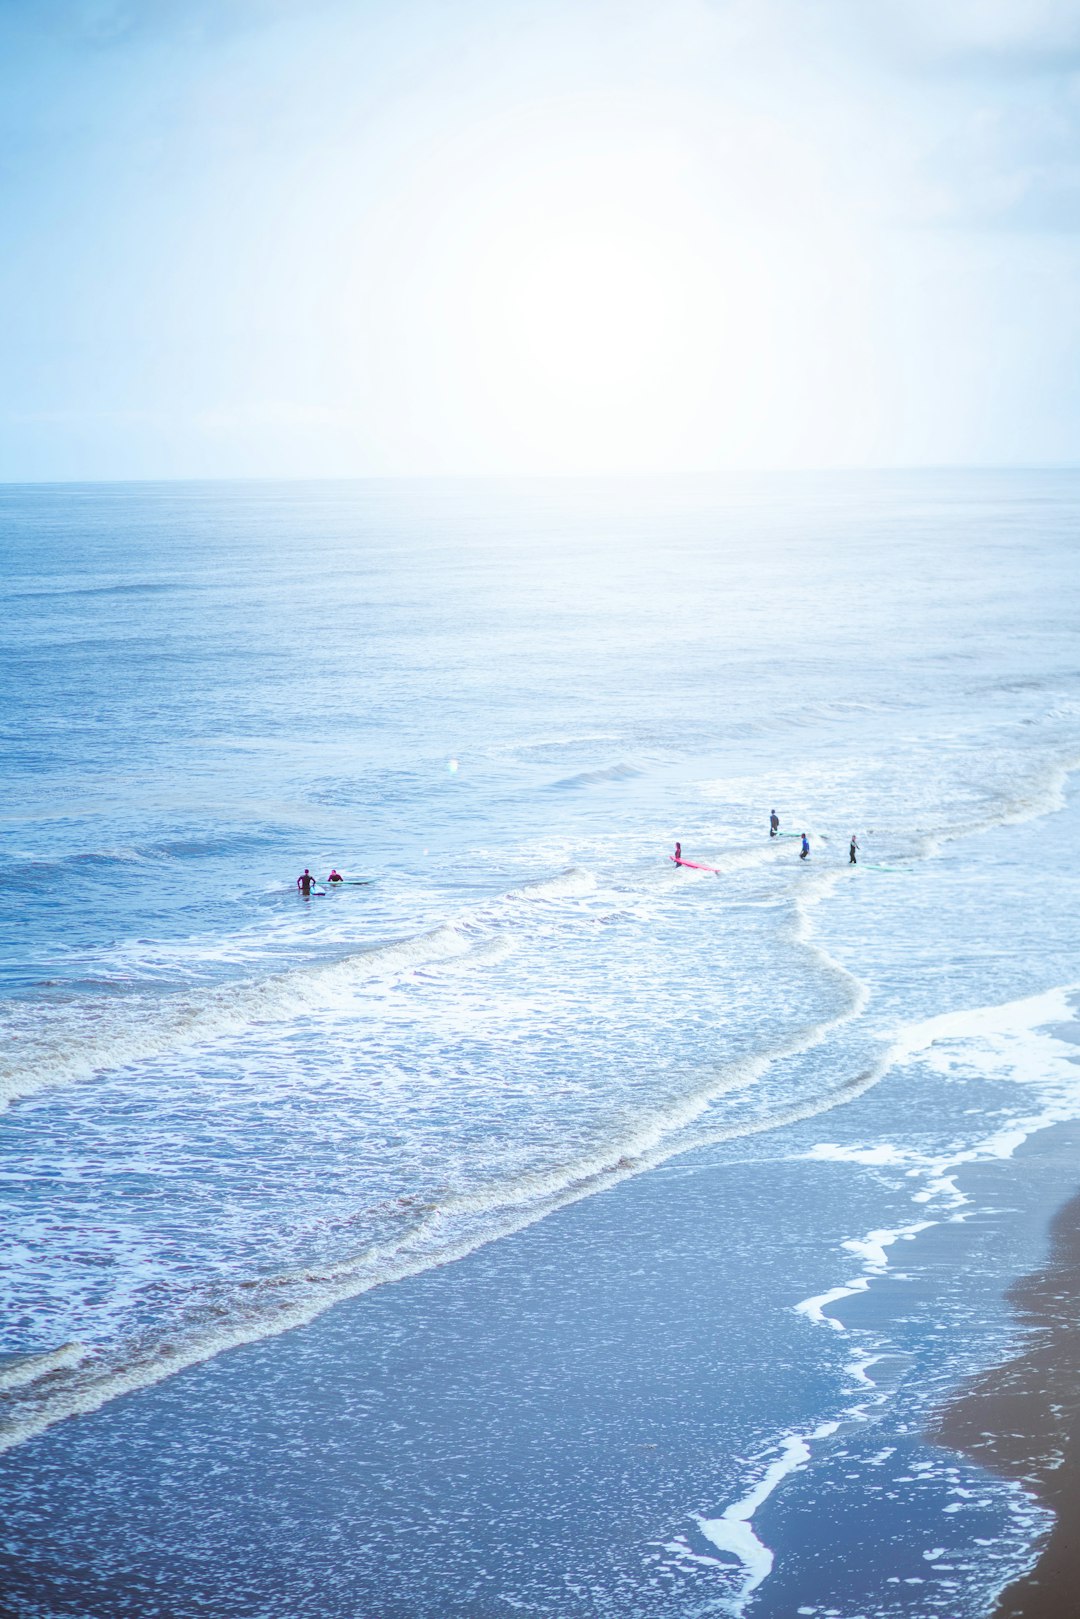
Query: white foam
x=444, y=1232
x=1018, y=1041
x=1018, y=1037
x=24, y=1370
x=461, y=1224
x=872, y=1249
x=1042, y=794
x=1015, y=1040
x=869, y=1250
x=88, y=1038
x=570, y=884
x=881, y=1153
x=733, y=1532
x=990, y=1027
x=814, y=1308
x=858, y=1369
x=277, y=1304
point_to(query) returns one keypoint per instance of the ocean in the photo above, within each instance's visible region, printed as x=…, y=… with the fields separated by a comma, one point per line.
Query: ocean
x=518, y=1050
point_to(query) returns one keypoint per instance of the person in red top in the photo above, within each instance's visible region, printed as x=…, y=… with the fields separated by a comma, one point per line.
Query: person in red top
x=677, y=856
x=335, y=876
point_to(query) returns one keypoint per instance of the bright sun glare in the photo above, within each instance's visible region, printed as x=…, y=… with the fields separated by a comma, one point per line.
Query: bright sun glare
x=614, y=334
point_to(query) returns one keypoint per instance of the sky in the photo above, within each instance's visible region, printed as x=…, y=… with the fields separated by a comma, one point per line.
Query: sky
x=337, y=238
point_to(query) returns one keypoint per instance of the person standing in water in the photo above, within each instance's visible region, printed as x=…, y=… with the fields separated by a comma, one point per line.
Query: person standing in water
x=677, y=856
x=305, y=883
x=774, y=824
x=805, y=850
x=851, y=851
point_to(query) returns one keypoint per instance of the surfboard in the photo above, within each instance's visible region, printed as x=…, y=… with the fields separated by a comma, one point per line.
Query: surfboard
x=693, y=865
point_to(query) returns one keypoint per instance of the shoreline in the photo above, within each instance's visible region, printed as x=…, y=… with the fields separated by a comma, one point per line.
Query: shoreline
x=1021, y=1420
x=636, y=1363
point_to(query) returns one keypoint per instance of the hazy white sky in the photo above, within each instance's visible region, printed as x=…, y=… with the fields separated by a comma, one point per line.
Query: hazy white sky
x=352, y=237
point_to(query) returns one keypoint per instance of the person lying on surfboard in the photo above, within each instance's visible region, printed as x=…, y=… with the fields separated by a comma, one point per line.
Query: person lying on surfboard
x=335, y=876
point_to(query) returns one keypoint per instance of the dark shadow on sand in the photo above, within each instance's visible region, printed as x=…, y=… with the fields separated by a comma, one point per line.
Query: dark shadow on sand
x=1022, y=1421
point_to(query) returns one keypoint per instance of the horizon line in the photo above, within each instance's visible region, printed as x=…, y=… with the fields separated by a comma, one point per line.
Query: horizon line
x=543, y=477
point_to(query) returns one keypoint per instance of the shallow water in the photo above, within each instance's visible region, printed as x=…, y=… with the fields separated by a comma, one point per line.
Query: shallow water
x=495, y=708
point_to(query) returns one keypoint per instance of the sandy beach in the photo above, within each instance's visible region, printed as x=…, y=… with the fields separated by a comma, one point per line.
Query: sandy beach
x=1022, y=1420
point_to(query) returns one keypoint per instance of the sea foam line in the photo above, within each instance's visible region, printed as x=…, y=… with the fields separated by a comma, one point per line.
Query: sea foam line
x=100, y=1036
x=733, y=1531
x=1019, y=1031
x=1011, y=1037
x=23, y=1370
x=277, y=1304
x=135, y=1028
x=1043, y=795
x=505, y=1209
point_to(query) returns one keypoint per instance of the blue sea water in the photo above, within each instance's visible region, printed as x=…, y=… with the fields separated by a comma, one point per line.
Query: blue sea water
x=495, y=707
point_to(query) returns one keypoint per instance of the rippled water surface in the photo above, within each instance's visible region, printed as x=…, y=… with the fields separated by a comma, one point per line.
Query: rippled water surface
x=494, y=708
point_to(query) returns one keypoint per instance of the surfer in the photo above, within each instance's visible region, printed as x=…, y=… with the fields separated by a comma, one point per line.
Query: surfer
x=805, y=850
x=851, y=851
x=335, y=876
x=305, y=883
x=677, y=856
x=774, y=824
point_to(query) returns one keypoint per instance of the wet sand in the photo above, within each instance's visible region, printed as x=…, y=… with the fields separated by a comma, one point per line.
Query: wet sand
x=1022, y=1421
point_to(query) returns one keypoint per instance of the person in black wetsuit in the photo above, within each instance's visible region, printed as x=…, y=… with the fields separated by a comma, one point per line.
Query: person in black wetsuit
x=805, y=850
x=774, y=824
x=851, y=851
x=305, y=883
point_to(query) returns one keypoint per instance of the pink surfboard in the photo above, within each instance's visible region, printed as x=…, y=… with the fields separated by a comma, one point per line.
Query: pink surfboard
x=693, y=865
